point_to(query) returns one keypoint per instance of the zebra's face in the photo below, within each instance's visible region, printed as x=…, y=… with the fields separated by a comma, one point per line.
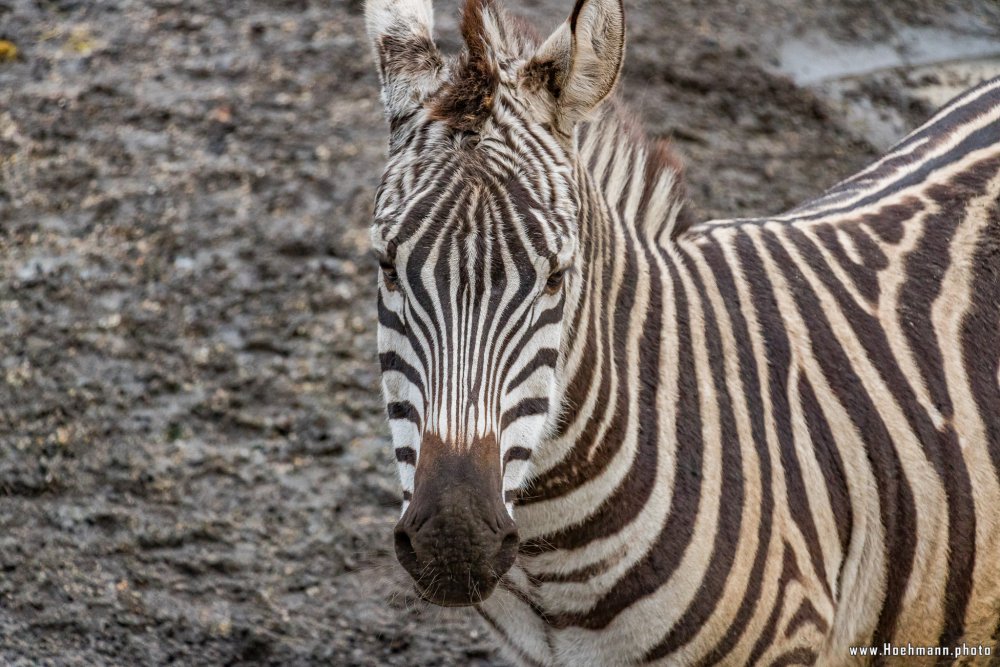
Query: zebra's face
x=476, y=264
x=476, y=231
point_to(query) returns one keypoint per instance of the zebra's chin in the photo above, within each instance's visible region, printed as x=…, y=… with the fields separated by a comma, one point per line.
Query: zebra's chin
x=461, y=598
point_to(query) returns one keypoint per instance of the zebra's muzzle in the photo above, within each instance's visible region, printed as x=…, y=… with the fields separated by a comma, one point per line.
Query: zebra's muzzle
x=456, y=538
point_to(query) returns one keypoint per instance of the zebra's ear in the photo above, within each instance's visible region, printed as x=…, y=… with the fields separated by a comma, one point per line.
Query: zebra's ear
x=409, y=64
x=579, y=63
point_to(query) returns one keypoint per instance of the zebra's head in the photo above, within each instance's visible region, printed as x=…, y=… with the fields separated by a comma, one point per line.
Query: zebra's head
x=476, y=231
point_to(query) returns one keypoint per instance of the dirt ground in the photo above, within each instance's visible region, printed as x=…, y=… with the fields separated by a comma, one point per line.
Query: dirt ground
x=194, y=465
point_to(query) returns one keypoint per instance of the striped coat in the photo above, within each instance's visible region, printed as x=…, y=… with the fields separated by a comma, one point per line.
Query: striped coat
x=755, y=441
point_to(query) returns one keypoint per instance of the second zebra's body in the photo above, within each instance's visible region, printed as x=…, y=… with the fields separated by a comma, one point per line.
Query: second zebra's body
x=628, y=439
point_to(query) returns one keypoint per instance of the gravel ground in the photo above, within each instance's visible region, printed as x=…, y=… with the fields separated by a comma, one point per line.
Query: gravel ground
x=194, y=467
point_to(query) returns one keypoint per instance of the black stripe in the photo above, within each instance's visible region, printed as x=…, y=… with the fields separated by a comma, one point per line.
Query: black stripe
x=389, y=319
x=789, y=572
x=513, y=645
x=403, y=410
x=984, y=137
x=516, y=454
x=526, y=408
x=805, y=615
x=547, y=317
x=544, y=358
x=831, y=465
x=390, y=361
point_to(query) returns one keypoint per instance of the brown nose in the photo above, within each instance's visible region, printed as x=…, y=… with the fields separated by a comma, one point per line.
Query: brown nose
x=456, y=538
x=457, y=549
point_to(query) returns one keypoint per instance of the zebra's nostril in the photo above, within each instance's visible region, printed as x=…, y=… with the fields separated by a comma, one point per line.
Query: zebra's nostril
x=507, y=553
x=509, y=542
x=405, y=552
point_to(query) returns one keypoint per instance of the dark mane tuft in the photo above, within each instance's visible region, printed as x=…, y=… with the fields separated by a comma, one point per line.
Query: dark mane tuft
x=662, y=158
x=465, y=101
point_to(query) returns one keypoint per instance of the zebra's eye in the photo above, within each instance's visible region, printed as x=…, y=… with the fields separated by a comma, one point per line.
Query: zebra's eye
x=389, y=276
x=555, y=281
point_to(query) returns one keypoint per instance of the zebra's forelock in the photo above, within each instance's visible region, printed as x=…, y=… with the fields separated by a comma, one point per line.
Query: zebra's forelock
x=494, y=41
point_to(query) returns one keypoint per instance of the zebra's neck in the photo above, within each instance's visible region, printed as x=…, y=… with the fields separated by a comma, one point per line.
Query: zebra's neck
x=631, y=207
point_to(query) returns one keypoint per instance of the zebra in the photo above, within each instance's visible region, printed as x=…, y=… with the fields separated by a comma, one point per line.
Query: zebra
x=627, y=437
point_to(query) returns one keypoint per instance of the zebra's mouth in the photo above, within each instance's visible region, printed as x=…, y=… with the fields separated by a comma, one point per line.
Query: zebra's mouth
x=453, y=593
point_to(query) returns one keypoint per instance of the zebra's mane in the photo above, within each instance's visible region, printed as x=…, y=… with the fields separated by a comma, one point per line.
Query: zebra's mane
x=466, y=101
x=649, y=193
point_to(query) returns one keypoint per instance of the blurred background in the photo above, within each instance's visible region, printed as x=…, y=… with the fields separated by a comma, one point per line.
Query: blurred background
x=194, y=465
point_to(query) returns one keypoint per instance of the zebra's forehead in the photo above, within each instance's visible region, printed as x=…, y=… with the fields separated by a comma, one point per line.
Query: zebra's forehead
x=472, y=203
